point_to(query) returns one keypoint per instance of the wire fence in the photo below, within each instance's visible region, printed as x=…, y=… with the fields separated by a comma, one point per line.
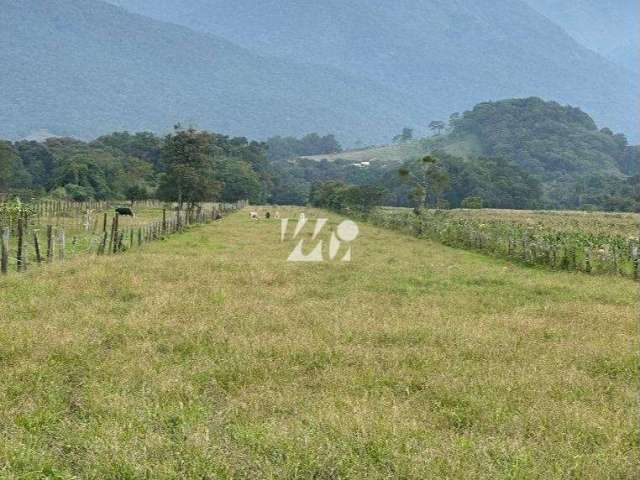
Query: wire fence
x=55, y=231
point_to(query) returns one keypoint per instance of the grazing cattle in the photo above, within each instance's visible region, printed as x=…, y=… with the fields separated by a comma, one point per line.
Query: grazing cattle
x=267, y=215
x=278, y=215
x=254, y=215
x=125, y=211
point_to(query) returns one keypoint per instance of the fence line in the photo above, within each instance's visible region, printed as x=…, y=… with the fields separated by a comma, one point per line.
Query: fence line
x=109, y=241
x=561, y=250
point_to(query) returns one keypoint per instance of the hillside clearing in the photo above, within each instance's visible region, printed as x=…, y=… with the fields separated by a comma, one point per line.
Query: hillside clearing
x=209, y=356
x=381, y=154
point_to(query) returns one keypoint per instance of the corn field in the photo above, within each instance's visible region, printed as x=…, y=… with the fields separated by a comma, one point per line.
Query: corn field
x=579, y=250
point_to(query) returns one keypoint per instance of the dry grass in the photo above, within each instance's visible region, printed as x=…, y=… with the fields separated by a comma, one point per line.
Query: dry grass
x=209, y=356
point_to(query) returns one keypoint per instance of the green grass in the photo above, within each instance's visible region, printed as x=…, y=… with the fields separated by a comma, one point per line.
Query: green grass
x=382, y=154
x=209, y=356
x=398, y=153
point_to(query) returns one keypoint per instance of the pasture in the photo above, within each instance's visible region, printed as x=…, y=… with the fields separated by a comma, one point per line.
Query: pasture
x=208, y=355
x=45, y=231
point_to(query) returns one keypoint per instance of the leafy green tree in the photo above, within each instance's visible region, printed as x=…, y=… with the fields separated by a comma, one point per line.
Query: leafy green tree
x=437, y=182
x=137, y=192
x=419, y=178
x=38, y=160
x=143, y=145
x=13, y=174
x=340, y=196
x=240, y=181
x=189, y=176
x=473, y=202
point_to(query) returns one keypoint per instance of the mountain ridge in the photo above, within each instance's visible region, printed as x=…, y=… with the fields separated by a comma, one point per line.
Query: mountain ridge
x=114, y=70
x=449, y=55
x=375, y=70
x=610, y=30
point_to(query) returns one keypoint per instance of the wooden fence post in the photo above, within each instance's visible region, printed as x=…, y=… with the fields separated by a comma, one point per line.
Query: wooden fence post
x=62, y=245
x=111, y=234
x=4, y=251
x=164, y=221
x=36, y=245
x=49, y=243
x=20, y=254
x=103, y=243
x=587, y=260
x=115, y=237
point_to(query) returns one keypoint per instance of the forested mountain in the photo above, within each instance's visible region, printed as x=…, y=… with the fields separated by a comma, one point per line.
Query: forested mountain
x=577, y=163
x=610, y=28
x=545, y=138
x=523, y=153
x=444, y=54
x=85, y=67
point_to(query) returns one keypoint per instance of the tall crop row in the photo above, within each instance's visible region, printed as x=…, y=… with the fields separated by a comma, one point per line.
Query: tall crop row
x=574, y=250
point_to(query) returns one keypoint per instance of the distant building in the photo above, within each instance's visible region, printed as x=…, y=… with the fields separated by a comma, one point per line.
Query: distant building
x=362, y=164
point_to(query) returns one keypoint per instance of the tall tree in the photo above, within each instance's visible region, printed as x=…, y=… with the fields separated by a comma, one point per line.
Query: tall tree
x=420, y=179
x=437, y=126
x=405, y=136
x=12, y=172
x=189, y=176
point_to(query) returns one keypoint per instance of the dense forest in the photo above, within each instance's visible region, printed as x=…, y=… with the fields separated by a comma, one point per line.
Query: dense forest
x=135, y=166
x=525, y=154
x=579, y=165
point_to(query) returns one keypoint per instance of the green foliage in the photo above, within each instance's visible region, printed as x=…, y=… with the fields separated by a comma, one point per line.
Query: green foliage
x=143, y=145
x=472, y=202
x=538, y=244
x=189, y=177
x=11, y=211
x=560, y=145
x=13, y=174
x=137, y=192
x=135, y=166
x=546, y=138
x=344, y=198
x=240, y=181
x=427, y=177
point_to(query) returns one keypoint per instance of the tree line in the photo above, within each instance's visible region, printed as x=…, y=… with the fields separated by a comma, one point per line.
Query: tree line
x=190, y=166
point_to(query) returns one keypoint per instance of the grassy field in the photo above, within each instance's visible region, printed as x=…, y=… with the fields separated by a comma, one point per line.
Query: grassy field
x=400, y=152
x=84, y=232
x=381, y=154
x=209, y=356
